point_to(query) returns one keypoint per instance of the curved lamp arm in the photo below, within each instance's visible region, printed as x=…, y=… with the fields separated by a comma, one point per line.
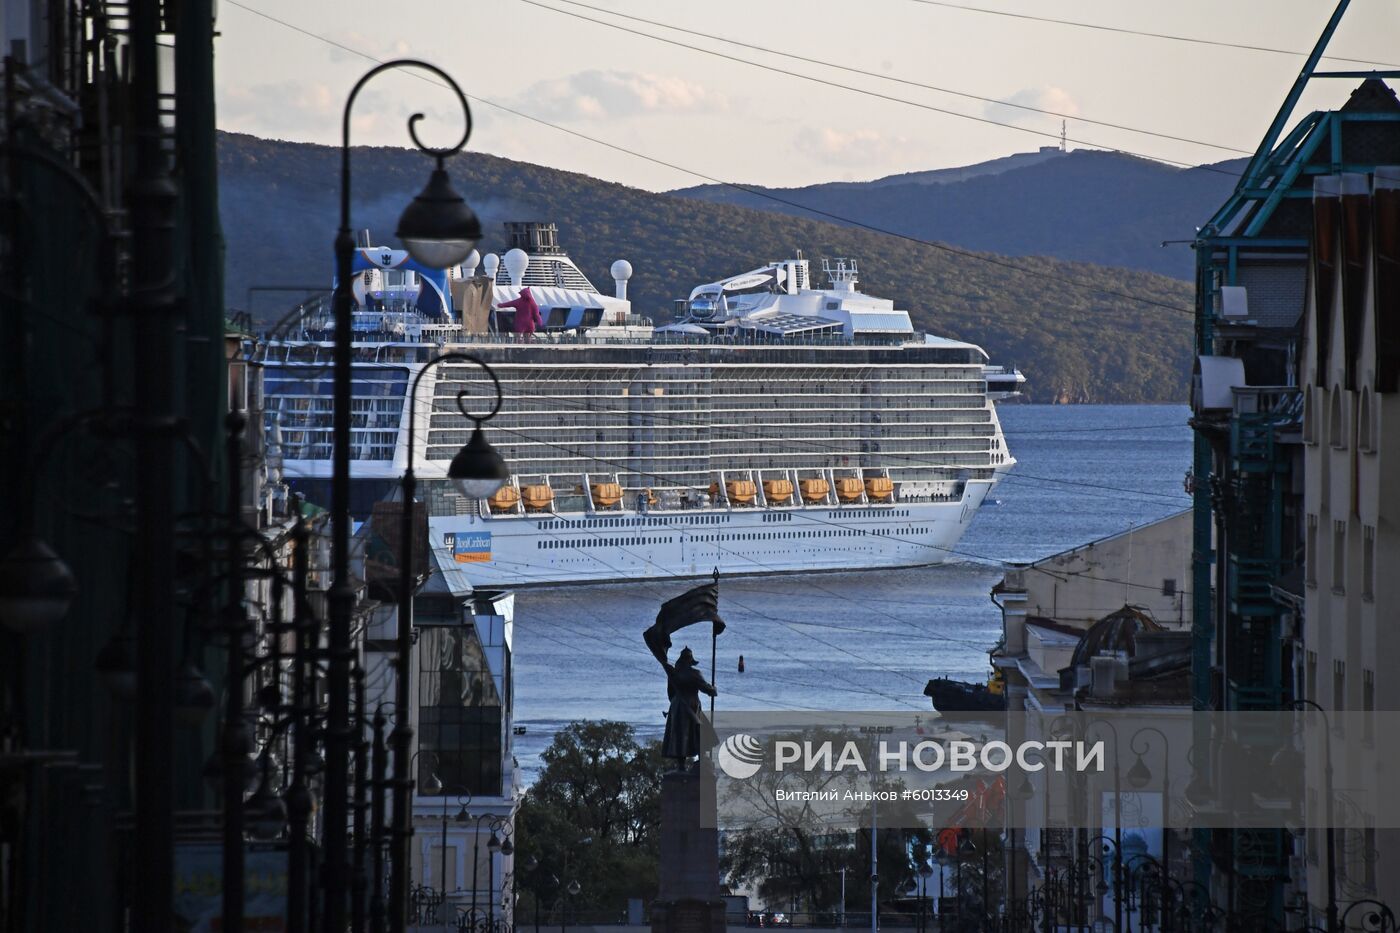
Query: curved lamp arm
x=438, y=154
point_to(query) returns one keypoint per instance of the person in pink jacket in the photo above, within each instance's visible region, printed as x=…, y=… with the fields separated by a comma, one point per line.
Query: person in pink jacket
x=527, y=312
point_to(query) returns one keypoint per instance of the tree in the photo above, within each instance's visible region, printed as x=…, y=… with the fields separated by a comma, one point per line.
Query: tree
x=592, y=816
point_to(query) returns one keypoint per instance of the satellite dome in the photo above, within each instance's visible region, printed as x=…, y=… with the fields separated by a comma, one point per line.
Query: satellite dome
x=621, y=272
x=489, y=264
x=517, y=260
x=470, y=263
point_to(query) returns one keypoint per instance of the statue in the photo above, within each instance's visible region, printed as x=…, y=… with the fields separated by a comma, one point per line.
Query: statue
x=684, y=682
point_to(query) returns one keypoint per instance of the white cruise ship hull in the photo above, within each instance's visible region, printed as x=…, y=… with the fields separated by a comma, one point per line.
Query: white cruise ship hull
x=550, y=549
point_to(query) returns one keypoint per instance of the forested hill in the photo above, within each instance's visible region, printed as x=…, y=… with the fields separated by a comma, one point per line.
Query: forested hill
x=1084, y=205
x=1074, y=344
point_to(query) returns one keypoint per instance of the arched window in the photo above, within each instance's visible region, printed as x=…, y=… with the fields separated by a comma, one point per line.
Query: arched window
x=1337, y=420
x=1366, y=423
x=1309, y=415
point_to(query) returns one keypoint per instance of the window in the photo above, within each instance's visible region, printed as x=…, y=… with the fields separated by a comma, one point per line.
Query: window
x=1366, y=424
x=459, y=717
x=1368, y=856
x=1368, y=562
x=1309, y=416
x=1368, y=706
x=1339, y=693
x=1310, y=683
x=1310, y=552
x=1337, y=421
x=1169, y=587
x=1339, y=556
x=1311, y=834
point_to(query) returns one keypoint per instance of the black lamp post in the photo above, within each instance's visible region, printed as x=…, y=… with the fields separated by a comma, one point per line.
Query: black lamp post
x=438, y=229
x=1331, y=837
x=476, y=471
x=1138, y=777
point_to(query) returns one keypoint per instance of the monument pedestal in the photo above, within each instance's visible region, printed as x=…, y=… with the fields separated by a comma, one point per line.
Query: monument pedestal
x=688, y=898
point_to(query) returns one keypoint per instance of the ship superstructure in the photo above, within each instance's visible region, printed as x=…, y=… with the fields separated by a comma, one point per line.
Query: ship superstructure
x=772, y=426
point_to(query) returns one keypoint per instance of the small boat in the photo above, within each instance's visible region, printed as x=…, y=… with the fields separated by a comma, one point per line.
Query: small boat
x=959, y=696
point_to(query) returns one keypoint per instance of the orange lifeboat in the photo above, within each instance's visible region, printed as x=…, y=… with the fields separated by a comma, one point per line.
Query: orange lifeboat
x=848, y=489
x=879, y=488
x=606, y=495
x=741, y=491
x=777, y=490
x=504, y=499
x=537, y=497
x=813, y=490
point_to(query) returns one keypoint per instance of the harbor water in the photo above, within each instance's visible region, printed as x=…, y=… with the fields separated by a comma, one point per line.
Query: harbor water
x=855, y=641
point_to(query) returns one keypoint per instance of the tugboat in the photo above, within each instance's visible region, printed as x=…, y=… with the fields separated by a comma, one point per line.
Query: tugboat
x=959, y=696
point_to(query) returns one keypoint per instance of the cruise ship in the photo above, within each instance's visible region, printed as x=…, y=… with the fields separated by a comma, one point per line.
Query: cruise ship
x=774, y=425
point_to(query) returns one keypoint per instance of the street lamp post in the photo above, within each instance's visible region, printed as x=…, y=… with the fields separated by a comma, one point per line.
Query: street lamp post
x=442, y=874
x=1138, y=777
x=439, y=230
x=498, y=824
x=1331, y=838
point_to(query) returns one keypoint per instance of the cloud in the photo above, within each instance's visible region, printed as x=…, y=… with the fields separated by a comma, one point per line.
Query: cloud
x=277, y=107
x=854, y=148
x=596, y=95
x=1045, y=97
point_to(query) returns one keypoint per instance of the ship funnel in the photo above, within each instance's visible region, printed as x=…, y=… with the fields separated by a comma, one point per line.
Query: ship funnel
x=470, y=263
x=517, y=261
x=489, y=264
x=621, y=272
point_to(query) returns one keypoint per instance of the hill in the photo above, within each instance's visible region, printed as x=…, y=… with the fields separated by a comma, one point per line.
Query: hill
x=1086, y=205
x=279, y=215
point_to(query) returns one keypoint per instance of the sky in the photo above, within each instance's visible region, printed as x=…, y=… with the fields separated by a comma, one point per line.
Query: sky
x=562, y=89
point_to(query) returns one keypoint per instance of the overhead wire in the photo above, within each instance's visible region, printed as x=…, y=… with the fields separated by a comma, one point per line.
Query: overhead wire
x=1194, y=40
x=893, y=79
x=988, y=259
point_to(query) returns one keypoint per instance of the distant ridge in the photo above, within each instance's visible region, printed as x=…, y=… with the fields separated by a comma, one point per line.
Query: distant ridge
x=1085, y=205
x=278, y=203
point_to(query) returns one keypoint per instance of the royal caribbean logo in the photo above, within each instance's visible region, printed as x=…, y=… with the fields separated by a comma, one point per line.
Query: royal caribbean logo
x=740, y=756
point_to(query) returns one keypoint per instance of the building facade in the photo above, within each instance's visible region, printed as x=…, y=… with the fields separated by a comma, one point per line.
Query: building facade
x=1349, y=371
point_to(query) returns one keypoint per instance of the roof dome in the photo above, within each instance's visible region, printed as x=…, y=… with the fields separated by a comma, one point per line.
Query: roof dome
x=1117, y=631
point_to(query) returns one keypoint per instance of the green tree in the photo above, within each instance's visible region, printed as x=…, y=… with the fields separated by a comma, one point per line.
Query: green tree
x=591, y=817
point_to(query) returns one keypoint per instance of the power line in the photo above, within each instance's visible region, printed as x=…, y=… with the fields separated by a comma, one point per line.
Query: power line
x=757, y=192
x=891, y=78
x=1149, y=35
x=875, y=94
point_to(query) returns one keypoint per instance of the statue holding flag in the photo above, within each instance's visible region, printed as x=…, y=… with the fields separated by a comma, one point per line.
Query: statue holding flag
x=684, y=681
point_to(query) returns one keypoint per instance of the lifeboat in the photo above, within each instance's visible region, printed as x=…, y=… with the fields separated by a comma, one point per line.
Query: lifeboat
x=879, y=487
x=738, y=491
x=504, y=499
x=777, y=491
x=848, y=489
x=606, y=495
x=813, y=490
x=537, y=498
x=741, y=491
